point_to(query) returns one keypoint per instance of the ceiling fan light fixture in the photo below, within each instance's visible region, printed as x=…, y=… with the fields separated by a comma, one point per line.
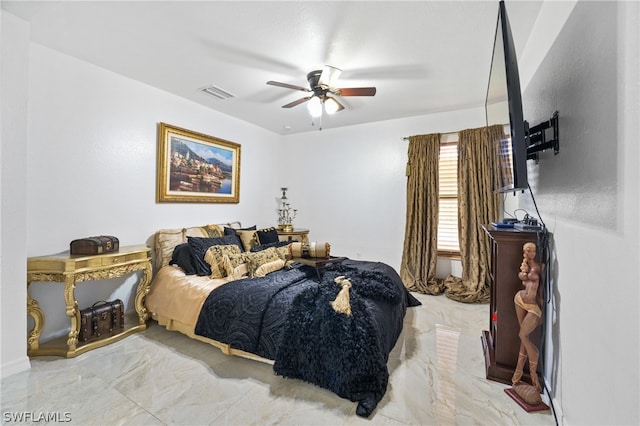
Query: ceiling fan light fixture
x=329, y=76
x=331, y=106
x=322, y=90
x=315, y=106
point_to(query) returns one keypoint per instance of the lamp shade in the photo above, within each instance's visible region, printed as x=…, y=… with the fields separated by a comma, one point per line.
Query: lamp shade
x=329, y=75
x=315, y=106
x=331, y=106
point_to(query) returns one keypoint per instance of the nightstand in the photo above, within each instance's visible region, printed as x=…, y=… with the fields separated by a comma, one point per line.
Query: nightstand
x=297, y=234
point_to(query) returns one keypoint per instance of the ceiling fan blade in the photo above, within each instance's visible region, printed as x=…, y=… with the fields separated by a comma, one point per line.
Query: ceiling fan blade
x=355, y=91
x=298, y=102
x=329, y=76
x=288, y=86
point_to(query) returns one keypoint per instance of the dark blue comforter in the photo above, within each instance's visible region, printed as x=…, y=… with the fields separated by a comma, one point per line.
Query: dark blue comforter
x=287, y=317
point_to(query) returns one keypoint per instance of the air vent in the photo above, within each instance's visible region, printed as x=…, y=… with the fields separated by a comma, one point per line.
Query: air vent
x=218, y=93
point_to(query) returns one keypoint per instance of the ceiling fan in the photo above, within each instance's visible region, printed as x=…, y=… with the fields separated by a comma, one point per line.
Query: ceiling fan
x=323, y=92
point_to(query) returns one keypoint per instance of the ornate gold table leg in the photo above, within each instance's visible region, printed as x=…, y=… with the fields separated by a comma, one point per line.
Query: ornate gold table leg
x=33, y=309
x=141, y=293
x=72, y=310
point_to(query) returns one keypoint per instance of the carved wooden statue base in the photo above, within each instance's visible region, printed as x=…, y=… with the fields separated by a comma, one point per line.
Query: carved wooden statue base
x=513, y=393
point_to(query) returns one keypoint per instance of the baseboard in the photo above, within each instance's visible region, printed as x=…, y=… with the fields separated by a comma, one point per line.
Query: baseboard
x=554, y=402
x=558, y=414
x=16, y=366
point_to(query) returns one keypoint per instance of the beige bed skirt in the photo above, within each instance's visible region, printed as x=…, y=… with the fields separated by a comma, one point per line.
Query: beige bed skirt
x=175, y=325
x=175, y=301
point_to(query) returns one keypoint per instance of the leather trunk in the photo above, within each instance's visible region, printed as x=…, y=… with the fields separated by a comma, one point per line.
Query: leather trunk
x=95, y=245
x=101, y=320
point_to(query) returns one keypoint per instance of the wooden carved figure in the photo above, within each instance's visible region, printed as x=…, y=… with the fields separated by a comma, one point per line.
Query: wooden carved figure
x=529, y=315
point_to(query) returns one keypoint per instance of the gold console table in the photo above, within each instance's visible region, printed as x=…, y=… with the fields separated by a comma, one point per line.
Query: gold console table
x=71, y=269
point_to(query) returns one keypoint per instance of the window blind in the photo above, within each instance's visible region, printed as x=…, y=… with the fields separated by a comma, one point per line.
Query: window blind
x=448, y=200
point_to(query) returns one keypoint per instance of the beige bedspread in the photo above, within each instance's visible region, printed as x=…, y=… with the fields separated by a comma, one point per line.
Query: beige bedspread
x=180, y=297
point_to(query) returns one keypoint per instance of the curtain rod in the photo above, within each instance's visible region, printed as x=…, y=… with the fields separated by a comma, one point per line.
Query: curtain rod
x=406, y=138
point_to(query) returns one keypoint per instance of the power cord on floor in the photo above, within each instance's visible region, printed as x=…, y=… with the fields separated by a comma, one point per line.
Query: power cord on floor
x=553, y=408
x=545, y=258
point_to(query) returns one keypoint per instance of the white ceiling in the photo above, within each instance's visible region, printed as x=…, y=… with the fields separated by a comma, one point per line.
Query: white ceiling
x=423, y=56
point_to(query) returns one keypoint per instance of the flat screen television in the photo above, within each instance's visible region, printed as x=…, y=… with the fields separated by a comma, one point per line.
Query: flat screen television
x=504, y=106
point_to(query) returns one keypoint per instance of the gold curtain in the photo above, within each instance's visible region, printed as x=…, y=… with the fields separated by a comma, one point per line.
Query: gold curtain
x=420, y=253
x=477, y=205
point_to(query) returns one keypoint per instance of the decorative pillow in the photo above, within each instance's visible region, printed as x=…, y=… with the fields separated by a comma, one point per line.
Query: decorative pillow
x=268, y=235
x=235, y=265
x=264, y=269
x=233, y=231
x=284, y=252
x=249, y=238
x=313, y=249
x=167, y=239
x=215, y=258
x=201, y=245
x=183, y=257
x=256, y=264
x=282, y=248
x=266, y=246
x=213, y=231
x=257, y=259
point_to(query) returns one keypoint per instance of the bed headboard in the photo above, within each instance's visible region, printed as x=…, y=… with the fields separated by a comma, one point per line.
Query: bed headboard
x=165, y=240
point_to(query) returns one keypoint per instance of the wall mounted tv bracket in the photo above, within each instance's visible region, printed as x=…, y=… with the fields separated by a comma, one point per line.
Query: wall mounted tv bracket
x=536, y=137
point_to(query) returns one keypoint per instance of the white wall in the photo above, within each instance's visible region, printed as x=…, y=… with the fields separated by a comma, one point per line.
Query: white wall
x=92, y=156
x=13, y=148
x=349, y=184
x=92, y=169
x=588, y=198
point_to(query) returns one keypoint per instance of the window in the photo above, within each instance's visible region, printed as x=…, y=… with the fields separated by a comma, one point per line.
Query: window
x=448, y=244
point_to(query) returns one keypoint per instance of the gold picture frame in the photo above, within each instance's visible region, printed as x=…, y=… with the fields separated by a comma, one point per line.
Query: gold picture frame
x=196, y=168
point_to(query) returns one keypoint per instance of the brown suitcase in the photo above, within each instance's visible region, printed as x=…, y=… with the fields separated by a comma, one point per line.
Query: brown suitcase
x=101, y=320
x=95, y=245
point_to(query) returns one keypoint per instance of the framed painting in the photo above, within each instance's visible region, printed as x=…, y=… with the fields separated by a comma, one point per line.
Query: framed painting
x=196, y=168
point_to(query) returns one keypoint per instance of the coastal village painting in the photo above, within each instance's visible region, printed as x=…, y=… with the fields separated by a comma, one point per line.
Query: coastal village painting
x=194, y=167
x=197, y=167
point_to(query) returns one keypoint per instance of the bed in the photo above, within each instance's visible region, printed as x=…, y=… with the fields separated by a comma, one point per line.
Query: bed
x=237, y=289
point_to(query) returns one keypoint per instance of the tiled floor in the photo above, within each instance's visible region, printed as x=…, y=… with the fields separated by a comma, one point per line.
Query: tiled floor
x=162, y=377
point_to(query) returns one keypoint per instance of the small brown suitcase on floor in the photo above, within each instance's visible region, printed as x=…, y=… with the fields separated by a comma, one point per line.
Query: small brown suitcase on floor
x=101, y=320
x=95, y=245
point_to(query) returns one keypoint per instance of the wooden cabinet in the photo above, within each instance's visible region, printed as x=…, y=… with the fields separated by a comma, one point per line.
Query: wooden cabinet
x=501, y=342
